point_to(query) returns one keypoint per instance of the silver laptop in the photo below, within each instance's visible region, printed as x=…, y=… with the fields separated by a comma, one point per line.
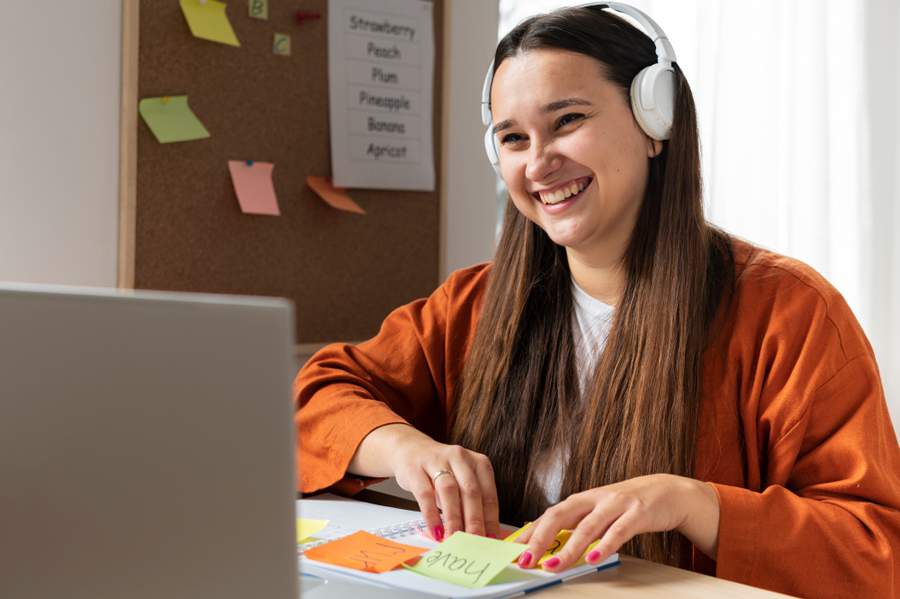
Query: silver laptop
x=146, y=445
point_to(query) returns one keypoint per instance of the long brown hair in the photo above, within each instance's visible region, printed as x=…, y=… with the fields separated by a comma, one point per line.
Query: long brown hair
x=519, y=395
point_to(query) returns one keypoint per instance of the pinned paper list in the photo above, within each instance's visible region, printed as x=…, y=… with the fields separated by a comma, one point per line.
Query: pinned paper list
x=307, y=527
x=336, y=197
x=208, y=21
x=468, y=560
x=364, y=551
x=171, y=119
x=253, y=186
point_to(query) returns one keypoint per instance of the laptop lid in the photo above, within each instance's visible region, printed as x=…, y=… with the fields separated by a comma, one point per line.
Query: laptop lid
x=146, y=445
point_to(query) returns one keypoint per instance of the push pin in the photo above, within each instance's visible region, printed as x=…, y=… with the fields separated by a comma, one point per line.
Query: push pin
x=249, y=163
x=305, y=15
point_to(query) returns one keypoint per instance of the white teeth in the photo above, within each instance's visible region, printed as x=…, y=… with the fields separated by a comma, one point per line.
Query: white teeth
x=562, y=194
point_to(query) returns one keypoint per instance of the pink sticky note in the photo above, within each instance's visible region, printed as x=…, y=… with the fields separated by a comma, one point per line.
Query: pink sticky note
x=253, y=186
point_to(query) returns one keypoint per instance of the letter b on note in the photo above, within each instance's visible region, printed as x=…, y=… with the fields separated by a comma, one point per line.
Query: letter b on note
x=259, y=9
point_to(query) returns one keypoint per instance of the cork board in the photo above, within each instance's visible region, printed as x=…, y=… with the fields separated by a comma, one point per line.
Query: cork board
x=181, y=227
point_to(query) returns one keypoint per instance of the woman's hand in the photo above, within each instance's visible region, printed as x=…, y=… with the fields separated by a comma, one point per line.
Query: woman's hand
x=615, y=513
x=446, y=480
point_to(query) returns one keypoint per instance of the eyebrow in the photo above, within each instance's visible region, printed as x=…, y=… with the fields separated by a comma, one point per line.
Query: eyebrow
x=551, y=107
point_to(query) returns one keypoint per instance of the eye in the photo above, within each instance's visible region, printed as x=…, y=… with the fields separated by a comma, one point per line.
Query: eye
x=511, y=138
x=568, y=118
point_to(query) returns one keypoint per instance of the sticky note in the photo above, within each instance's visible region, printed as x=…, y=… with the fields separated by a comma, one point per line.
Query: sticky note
x=208, y=21
x=365, y=551
x=258, y=9
x=281, y=44
x=170, y=119
x=559, y=542
x=307, y=527
x=253, y=186
x=468, y=560
x=336, y=197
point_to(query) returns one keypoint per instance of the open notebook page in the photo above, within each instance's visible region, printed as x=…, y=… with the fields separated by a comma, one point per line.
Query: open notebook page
x=347, y=516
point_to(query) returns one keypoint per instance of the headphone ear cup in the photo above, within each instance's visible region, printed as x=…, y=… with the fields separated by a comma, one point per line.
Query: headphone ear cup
x=490, y=148
x=653, y=100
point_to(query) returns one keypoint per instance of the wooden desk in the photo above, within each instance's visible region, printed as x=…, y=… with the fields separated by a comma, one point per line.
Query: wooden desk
x=631, y=579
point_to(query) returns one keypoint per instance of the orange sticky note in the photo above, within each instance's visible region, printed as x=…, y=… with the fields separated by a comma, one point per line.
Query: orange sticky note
x=364, y=551
x=253, y=186
x=336, y=197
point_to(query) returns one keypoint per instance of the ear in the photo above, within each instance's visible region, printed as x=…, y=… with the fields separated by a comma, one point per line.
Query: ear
x=654, y=147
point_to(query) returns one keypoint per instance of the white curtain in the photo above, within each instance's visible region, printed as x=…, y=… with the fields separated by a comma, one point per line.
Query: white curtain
x=795, y=98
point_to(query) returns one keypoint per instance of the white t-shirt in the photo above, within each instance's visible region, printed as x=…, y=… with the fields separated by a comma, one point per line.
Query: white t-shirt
x=590, y=327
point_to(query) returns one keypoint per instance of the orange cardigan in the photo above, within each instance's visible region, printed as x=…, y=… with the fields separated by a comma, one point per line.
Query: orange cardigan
x=794, y=431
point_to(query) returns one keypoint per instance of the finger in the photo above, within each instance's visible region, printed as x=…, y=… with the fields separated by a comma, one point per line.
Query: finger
x=489, y=501
x=545, y=529
x=526, y=533
x=588, y=530
x=423, y=491
x=470, y=493
x=447, y=491
x=619, y=532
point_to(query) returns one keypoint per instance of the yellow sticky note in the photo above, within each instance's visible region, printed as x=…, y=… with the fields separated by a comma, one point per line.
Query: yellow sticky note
x=253, y=185
x=258, y=9
x=307, y=527
x=281, y=44
x=208, y=21
x=468, y=560
x=171, y=119
x=562, y=537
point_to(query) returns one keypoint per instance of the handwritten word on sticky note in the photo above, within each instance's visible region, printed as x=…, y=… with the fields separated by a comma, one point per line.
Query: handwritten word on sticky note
x=170, y=119
x=208, y=21
x=468, y=560
x=258, y=9
x=336, y=197
x=253, y=186
x=364, y=551
x=562, y=537
x=307, y=527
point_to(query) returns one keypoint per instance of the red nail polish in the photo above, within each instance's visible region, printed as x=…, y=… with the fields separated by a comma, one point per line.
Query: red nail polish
x=491, y=535
x=552, y=562
x=438, y=533
x=525, y=559
x=593, y=557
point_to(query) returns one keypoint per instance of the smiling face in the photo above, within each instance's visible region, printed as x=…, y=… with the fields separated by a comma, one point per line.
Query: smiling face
x=572, y=156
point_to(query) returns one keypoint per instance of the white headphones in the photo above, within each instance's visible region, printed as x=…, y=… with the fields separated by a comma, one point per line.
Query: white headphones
x=652, y=90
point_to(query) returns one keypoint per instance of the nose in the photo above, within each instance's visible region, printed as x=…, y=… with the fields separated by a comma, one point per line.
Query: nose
x=543, y=161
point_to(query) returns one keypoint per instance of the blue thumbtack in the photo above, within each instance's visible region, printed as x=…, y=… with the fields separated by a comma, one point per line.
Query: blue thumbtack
x=249, y=163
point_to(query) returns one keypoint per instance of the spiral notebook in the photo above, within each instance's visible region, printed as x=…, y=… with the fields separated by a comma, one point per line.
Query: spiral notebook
x=347, y=516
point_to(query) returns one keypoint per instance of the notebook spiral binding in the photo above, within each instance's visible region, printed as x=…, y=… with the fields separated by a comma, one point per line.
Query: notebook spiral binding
x=395, y=531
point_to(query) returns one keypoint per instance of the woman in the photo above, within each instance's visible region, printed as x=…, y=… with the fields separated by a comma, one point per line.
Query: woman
x=622, y=368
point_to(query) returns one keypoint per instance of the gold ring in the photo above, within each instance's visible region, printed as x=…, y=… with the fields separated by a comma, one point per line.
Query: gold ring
x=439, y=473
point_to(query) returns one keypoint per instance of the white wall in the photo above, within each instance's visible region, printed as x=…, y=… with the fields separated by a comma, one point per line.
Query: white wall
x=469, y=211
x=59, y=141
x=883, y=70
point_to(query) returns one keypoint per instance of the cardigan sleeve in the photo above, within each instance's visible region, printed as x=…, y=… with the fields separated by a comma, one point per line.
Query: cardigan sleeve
x=825, y=521
x=401, y=375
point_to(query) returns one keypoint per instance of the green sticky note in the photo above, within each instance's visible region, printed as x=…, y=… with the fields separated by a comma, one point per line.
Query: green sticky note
x=171, y=119
x=468, y=560
x=282, y=44
x=258, y=9
x=307, y=527
x=208, y=21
